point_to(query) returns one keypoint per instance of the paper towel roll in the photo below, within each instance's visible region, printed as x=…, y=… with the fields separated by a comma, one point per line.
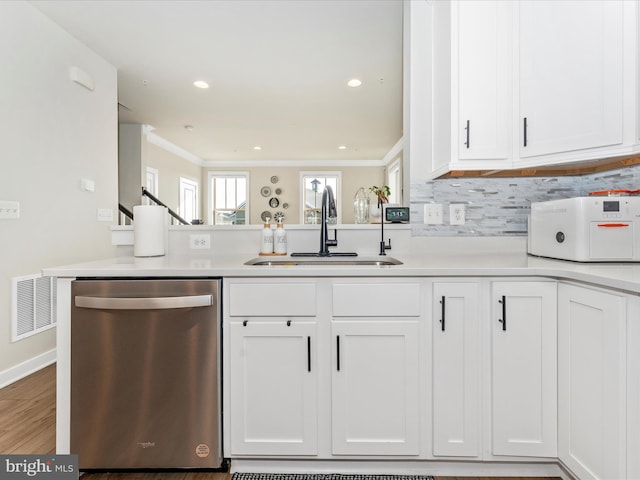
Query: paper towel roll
x=149, y=230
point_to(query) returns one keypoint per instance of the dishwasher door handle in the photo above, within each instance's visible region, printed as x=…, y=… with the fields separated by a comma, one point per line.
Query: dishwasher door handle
x=145, y=303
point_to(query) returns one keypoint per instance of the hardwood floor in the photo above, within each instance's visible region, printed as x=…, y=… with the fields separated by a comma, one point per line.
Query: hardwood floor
x=28, y=423
x=28, y=414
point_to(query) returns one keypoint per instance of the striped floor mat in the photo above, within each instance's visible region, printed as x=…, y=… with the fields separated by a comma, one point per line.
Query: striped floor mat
x=324, y=476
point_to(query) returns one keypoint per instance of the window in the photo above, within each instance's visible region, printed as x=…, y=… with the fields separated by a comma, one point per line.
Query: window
x=312, y=185
x=228, y=201
x=394, y=180
x=188, y=207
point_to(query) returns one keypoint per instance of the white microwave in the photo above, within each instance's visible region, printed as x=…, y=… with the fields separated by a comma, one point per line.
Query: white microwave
x=586, y=229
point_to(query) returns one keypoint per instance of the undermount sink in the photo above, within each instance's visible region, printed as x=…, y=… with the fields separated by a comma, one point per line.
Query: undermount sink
x=324, y=261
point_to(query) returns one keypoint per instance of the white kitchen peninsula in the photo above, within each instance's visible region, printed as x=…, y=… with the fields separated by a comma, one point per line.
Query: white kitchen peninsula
x=323, y=325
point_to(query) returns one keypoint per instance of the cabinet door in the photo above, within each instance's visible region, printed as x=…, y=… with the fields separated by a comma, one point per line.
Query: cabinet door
x=456, y=369
x=592, y=359
x=375, y=388
x=571, y=75
x=273, y=388
x=484, y=78
x=523, y=367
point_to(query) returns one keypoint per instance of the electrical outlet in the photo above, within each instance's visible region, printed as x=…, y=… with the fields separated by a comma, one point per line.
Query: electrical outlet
x=200, y=241
x=457, y=213
x=9, y=210
x=433, y=214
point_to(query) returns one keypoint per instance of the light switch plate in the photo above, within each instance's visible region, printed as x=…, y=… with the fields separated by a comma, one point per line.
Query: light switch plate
x=433, y=214
x=9, y=210
x=105, y=215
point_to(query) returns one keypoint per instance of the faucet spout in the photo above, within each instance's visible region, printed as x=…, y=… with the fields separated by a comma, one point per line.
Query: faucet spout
x=328, y=209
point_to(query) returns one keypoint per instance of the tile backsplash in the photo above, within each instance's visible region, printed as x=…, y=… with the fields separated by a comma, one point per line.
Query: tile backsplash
x=499, y=206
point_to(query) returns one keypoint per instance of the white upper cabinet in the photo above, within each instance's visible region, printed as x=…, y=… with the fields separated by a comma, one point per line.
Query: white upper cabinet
x=472, y=85
x=484, y=86
x=528, y=83
x=570, y=74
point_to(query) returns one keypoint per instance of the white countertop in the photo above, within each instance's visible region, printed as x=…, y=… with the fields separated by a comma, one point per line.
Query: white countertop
x=622, y=276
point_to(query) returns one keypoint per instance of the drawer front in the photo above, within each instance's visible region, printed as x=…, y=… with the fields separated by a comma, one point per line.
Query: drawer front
x=376, y=300
x=272, y=299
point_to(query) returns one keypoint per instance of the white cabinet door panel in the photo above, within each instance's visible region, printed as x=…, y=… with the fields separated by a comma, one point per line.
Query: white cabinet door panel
x=273, y=388
x=375, y=388
x=456, y=369
x=524, y=368
x=484, y=78
x=571, y=75
x=592, y=359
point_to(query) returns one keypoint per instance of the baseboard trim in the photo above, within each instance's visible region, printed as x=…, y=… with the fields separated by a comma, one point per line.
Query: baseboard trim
x=15, y=373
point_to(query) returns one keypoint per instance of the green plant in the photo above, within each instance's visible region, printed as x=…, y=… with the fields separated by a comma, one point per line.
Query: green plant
x=382, y=192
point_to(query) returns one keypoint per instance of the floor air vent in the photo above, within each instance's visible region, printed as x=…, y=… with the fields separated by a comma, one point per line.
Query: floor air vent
x=33, y=305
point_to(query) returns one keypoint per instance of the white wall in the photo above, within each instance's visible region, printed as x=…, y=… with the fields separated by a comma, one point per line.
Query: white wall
x=170, y=168
x=53, y=133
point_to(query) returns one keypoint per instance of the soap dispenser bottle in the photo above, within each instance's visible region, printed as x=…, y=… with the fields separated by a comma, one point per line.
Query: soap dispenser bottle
x=280, y=240
x=266, y=243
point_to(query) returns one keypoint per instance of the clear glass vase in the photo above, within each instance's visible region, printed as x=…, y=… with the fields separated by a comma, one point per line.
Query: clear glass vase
x=361, y=206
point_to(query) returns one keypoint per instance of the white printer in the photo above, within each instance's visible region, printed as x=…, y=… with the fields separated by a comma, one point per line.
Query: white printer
x=586, y=229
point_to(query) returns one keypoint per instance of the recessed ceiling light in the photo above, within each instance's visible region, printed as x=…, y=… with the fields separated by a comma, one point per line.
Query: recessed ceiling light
x=354, y=82
x=188, y=127
x=342, y=147
x=200, y=84
x=257, y=147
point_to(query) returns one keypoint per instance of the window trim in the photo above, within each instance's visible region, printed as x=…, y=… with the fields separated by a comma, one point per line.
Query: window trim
x=337, y=194
x=395, y=164
x=224, y=173
x=184, y=181
x=155, y=174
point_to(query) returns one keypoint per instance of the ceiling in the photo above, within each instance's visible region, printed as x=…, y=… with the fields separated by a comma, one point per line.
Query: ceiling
x=277, y=71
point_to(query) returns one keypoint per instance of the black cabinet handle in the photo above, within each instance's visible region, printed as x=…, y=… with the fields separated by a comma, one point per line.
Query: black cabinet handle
x=503, y=320
x=308, y=354
x=338, y=353
x=443, y=310
x=467, y=128
x=244, y=323
x=524, y=126
x=288, y=323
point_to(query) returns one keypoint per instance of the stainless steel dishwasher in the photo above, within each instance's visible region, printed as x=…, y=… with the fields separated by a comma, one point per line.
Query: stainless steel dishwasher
x=145, y=373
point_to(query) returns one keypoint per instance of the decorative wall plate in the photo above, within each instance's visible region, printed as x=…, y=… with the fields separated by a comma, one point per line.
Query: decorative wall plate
x=279, y=217
x=265, y=191
x=265, y=216
x=278, y=191
x=274, y=202
x=285, y=205
x=274, y=179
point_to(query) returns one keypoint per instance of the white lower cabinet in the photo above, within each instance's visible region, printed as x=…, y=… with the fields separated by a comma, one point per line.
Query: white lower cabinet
x=523, y=368
x=374, y=387
x=375, y=363
x=455, y=321
x=274, y=387
x=510, y=369
x=592, y=386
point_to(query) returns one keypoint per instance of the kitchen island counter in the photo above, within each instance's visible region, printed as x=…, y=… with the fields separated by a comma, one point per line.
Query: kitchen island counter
x=621, y=276
x=430, y=269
